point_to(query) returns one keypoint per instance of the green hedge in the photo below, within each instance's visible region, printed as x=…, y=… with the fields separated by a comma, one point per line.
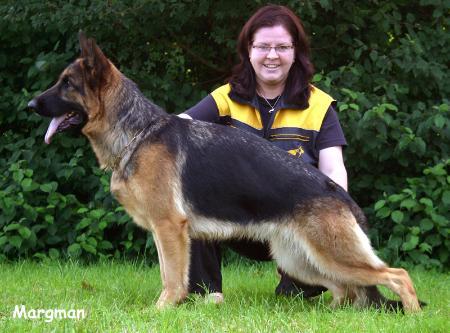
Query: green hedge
x=386, y=62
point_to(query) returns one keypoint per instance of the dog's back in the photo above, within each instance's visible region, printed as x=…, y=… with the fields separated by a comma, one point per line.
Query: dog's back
x=229, y=174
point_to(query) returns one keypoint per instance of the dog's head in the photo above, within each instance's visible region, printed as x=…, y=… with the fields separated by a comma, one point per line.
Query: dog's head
x=76, y=98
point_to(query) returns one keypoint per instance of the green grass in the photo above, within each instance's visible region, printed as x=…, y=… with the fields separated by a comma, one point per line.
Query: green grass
x=120, y=297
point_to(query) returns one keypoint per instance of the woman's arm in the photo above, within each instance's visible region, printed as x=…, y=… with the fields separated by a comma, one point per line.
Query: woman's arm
x=205, y=110
x=331, y=163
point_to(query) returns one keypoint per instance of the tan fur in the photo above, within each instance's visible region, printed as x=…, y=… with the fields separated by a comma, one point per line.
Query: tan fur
x=333, y=253
x=98, y=128
x=148, y=197
x=321, y=243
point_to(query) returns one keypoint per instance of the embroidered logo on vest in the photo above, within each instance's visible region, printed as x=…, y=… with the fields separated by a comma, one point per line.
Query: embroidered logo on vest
x=298, y=152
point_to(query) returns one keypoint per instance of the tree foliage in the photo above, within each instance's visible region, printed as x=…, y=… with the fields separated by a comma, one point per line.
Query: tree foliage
x=386, y=62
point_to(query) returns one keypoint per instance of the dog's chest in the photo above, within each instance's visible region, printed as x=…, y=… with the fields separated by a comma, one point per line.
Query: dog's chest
x=151, y=193
x=128, y=199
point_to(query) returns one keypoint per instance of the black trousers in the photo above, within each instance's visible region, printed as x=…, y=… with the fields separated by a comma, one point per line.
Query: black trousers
x=204, y=269
x=206, y=259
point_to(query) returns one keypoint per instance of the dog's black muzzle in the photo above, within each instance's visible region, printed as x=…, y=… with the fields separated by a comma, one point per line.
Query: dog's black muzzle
x=65, y=114
x=50, y=104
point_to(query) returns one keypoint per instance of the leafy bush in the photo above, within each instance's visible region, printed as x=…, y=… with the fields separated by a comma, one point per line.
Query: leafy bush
x=386, y=62
x=419, y=213
x=41, y=215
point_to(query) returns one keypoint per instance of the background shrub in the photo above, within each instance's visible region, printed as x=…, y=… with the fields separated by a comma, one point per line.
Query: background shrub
x=386, y=62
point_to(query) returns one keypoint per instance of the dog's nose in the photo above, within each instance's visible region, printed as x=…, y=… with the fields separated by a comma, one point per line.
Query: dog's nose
x=32, y=104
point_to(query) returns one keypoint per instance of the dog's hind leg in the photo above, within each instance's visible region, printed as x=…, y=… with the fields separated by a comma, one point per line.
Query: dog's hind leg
x=295, y=262
x=172, y=241
x=335, y=245
x=396, y=279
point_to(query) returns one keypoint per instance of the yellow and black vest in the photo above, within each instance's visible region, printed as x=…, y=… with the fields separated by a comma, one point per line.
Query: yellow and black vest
x=290, y=128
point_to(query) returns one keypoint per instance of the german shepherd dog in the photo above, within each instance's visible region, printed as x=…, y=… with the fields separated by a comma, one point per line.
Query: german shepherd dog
x=186, y=179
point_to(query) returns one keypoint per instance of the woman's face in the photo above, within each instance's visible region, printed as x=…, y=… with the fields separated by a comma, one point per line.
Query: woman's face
x=271, y=55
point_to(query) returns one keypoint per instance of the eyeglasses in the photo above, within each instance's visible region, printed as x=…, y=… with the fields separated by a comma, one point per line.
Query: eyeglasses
x=280, y=49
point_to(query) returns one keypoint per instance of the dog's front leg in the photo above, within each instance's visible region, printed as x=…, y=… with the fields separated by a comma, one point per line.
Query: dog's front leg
x=172, y=242
x=160, y=258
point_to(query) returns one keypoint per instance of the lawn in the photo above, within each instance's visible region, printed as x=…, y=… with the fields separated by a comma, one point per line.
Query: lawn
x=120, y=297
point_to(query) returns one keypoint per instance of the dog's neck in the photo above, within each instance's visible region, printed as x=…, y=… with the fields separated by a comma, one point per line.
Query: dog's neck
x=130, y=118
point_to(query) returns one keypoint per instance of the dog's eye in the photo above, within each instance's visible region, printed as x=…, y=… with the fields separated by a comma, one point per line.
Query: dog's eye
x=66, y=81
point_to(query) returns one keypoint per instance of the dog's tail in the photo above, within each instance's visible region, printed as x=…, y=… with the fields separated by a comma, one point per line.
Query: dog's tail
x=375, y=299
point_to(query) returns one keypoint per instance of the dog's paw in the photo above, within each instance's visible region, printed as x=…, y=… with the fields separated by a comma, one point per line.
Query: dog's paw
x=169, y=299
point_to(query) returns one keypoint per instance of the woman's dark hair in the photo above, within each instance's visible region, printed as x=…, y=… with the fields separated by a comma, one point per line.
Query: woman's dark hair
x=243, y=80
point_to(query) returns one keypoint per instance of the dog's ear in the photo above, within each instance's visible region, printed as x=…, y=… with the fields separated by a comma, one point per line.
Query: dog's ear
x=83, y=43
x=93, y=58
x=90, y=51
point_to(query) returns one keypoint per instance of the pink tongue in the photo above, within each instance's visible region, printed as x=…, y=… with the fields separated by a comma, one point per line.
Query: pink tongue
x=53, y=127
